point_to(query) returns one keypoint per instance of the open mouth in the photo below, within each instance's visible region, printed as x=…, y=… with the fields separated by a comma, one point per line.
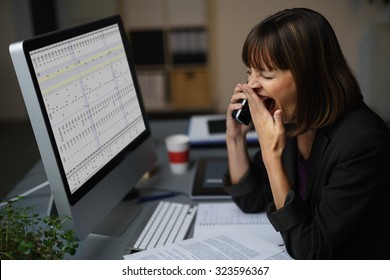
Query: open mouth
x=269, y=104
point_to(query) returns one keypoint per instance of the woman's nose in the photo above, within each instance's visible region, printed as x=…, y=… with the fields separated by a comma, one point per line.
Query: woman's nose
x=254, y=84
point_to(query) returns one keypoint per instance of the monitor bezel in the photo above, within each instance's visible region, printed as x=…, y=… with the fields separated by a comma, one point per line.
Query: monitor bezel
x=62, y=35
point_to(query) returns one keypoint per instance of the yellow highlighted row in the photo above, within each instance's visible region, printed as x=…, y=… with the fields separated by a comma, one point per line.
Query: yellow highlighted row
x=71, y=67
x=82, y=74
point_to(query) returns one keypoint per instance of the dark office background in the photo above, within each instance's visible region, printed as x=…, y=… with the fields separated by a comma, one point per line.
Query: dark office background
x=21, y=19
x=15, y=163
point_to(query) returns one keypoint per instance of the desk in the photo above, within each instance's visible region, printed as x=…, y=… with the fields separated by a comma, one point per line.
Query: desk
x=98, y=247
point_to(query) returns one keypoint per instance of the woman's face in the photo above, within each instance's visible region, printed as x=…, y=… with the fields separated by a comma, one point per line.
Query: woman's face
x=277, y=90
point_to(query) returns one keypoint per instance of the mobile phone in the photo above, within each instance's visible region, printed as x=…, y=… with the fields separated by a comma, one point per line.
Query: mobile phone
x=243, y=116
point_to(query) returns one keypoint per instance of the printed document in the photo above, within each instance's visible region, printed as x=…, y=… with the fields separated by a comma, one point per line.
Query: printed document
x=227, y=246
x=227, y=217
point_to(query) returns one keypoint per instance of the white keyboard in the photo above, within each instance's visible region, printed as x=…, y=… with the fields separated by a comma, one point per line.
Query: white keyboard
x=170, y=222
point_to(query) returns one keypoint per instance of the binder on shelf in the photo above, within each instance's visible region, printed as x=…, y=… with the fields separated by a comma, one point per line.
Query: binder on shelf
x=188, y=45
x=153, y=84
x=148, y=47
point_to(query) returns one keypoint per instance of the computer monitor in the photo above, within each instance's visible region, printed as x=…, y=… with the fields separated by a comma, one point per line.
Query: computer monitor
x=81, y=93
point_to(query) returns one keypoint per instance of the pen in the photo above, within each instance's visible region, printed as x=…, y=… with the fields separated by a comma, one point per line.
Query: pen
x=155, y=197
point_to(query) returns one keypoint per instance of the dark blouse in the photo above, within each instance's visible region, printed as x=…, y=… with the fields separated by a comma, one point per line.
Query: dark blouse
x=302, y=175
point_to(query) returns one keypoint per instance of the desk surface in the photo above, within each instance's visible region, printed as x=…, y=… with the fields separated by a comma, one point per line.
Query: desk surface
x=98, y=247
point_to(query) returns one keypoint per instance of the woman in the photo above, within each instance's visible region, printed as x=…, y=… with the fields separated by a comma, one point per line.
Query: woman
x=323, y=169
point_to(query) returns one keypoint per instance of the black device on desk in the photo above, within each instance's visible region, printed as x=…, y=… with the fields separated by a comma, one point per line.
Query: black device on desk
x=208, y=182
x=83, y=99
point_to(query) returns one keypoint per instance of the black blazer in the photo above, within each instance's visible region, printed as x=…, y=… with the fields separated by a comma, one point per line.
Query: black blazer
x=345, y=213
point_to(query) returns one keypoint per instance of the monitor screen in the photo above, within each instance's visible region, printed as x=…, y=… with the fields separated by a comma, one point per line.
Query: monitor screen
x=89, y=96
x=87, y=114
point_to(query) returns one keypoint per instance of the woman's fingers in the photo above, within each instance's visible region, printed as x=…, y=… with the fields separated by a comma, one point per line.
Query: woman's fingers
x=256, y=105
x=279, y=121
x=238, y=94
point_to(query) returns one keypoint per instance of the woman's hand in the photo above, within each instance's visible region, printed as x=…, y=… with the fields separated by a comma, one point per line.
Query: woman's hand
x=236, y=140
x=272, y=138
x=235, y=130
x=269, y=127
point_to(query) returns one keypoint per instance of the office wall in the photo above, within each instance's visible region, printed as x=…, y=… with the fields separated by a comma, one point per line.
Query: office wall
x=231, y=20
x=351, y=19
x=72, y=12
x=15, y=25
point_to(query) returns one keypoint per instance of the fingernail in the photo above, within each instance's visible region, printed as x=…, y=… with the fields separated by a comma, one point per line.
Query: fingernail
x=278, y=114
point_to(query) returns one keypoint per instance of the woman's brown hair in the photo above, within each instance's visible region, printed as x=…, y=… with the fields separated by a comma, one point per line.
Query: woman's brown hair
x=303, y=41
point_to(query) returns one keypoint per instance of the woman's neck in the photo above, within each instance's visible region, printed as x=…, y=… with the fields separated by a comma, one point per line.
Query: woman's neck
x=305, y=142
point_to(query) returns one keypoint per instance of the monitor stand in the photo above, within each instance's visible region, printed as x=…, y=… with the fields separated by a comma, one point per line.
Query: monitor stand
x=117, y=221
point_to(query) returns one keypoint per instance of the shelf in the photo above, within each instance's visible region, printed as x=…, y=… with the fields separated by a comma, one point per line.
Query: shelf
x=170, y=45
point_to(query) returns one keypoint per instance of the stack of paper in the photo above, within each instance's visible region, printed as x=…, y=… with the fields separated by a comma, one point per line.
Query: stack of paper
x=223, y=232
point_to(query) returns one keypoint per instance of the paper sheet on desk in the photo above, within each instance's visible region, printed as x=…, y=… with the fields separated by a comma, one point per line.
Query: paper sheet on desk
x=227, y=217
x=231, y=246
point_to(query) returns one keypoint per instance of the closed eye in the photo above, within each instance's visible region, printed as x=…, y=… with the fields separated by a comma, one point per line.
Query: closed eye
x=268, y=75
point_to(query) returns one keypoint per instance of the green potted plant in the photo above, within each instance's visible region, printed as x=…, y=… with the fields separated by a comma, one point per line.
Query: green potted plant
x=24, y=235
